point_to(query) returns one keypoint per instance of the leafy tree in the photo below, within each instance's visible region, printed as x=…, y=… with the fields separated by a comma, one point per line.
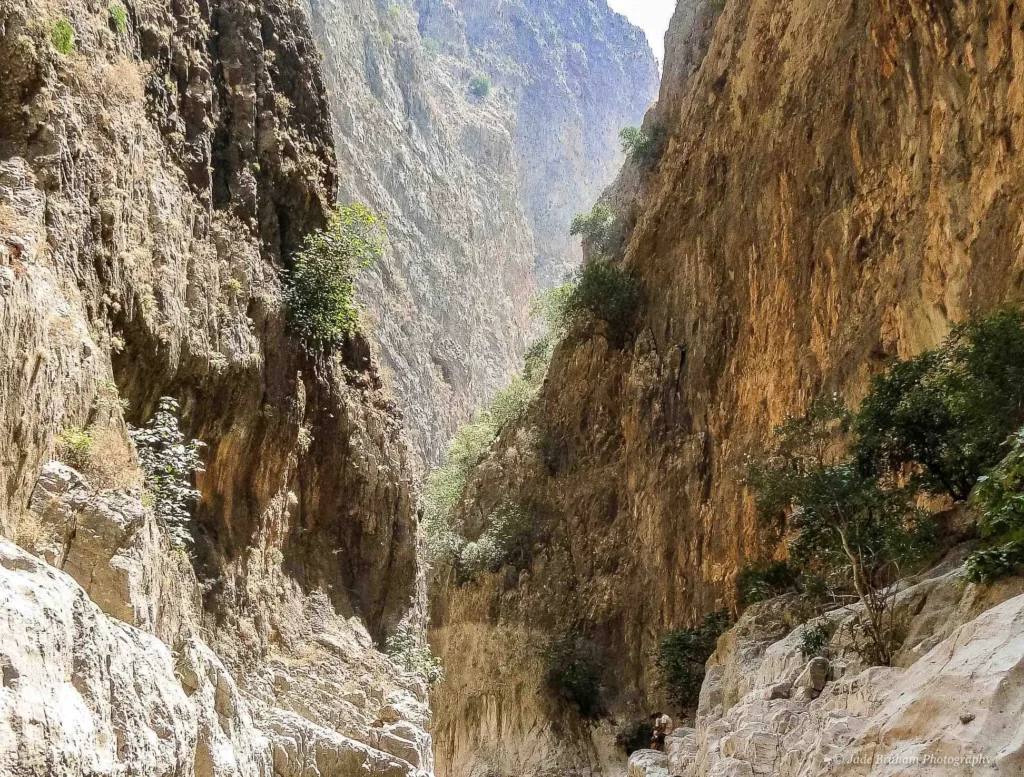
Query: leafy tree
x=414, y=655
x=169, y=464
x=603, y=292
x=507, y=540
x=320, y=287
x=573, y=673
x=815, y=638
x=766, y=580
x=641, y=146
x=946, y=412
x=999, y=498
x=480, y=86
x=62, y=36
x=681, y=657
x=596, y=228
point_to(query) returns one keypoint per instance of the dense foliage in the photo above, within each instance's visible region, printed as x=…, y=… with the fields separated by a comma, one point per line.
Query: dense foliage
x=844, y=487
x=480, y=86
x=119, y=15
x=681, y=657
x=573, y=673
x=603, y=292
x=169, y=464
x=320, y=287
x=815, y=638
x=413, y=655
x=597, y=228
x=999, y=498
x=641, y=146
x=946, y=412
x=507, y=541
x=74, y=446
x=62, y=36
x=766, y=580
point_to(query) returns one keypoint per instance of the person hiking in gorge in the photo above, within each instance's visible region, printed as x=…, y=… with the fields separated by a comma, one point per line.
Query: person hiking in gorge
x=661, y=725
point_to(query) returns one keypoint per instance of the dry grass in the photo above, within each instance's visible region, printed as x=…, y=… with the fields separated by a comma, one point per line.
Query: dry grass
x=111, y=460
x=122, y=82
x=29, y=531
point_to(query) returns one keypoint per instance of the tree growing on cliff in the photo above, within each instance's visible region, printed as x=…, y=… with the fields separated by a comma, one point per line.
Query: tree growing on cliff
x=643, y=147
x=169, y=463
x=320, y=287
x=480, y=86
x=682, y=654
x=572, y=672
x=596, y=228
x=944, y=414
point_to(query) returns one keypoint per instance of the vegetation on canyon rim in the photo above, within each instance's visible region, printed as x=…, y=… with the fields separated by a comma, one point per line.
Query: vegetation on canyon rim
x=320, y=286
x=844, y=488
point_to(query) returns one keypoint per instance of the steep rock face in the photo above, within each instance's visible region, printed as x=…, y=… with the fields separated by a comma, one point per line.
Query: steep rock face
x=838, y=188
x=478, y=191
x=154, y=179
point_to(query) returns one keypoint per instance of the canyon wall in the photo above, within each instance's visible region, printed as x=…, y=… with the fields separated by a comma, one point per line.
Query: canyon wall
x=478, y=190
x=158, y=166
x=839, y=186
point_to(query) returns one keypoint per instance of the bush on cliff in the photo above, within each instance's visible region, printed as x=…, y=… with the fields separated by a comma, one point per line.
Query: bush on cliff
x=603, y=292
x=596, y=228
x=573, y=673
x=480, y=86
x=681, y=657
x=944, y=414
x=766, y=580
x=320, y=287
x=641, y=146
x=169, y=463
x=999, y=498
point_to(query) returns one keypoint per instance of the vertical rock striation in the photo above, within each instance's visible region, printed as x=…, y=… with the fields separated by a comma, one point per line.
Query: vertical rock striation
x=159, y=163
x=839, y=187
x=478, y=191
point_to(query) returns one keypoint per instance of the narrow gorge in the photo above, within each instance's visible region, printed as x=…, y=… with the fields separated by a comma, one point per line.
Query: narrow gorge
x=447, y=387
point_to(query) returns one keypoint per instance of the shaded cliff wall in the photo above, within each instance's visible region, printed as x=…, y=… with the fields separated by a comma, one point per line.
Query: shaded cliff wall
x=840, y=185
x=478, y=191
x=154, y=180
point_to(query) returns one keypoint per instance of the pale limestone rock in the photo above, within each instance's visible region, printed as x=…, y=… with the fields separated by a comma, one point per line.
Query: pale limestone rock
x=83, y=694
x=975, y=674
x=648, y=763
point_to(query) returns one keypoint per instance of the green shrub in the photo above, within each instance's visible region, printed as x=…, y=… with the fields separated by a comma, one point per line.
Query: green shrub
x=169, y=463
x=635, y=735
x=681, y=657
x=507, y=540
x=603, y=292
x=573, y=673
x=74, y=445
x=480, y=86
x=766, y=580
x=815, y=638
x=414, y=655
x=119, y=15
x=62, y=36
x=999, y=499
x=643, y=148
x=320, y=287
x=431, y=47
x=946, y=412
x=597, y=228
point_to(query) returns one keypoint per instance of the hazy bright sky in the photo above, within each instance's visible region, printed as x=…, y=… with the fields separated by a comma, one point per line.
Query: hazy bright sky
x=649, y=15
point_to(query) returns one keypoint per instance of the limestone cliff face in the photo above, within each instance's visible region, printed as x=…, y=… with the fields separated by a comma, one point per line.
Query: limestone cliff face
x=838, y=187
x=155, y=176
x=478, y=191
